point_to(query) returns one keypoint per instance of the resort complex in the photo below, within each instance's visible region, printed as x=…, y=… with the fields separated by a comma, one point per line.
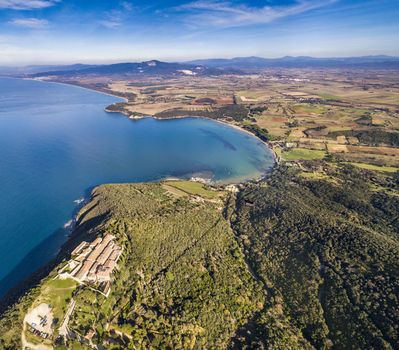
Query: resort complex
x=91, y=266
x=94, y=262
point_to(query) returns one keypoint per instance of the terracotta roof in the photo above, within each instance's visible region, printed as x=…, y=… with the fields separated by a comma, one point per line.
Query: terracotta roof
x=105, y=254
x=115, y=255
x=96, y=252
x=79, y=248
x=107, y=238
x=84, y=269
x=80, y=258
x=110, y=264
x=75, y=270
x=96, y=241
x=106, y=287
x=103, y=272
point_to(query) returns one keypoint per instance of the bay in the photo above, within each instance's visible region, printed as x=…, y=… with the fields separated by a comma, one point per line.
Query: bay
x=57, y=143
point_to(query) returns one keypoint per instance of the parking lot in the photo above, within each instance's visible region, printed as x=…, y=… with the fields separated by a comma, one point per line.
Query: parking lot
x=40, y=319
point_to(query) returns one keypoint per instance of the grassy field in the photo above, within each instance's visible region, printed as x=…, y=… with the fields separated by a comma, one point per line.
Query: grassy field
x=316, y=175
x=303, y=154
x=57, y=293
x=385, y=169
x=194, y=188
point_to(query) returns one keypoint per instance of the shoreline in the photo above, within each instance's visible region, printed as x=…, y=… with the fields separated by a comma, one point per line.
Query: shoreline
x=76, y=85
x=76, y=233
x=276, y=158
x=223, y=122
x=131, y=116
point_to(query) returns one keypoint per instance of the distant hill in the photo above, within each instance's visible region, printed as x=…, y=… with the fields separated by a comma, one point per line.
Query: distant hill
x=213, y=66
x=253, y=62
x=153, y=67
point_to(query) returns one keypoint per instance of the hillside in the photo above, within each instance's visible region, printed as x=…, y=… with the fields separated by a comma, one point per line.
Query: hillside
x=306, y=259
x=147, y=68
x=325, y=243
x=211, y=66
x=182, y=280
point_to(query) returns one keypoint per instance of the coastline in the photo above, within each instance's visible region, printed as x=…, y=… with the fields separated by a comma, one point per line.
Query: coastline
x=129, y=115
x=76, y=85
x=132, y=117
x=77, y=233
x=223, y=122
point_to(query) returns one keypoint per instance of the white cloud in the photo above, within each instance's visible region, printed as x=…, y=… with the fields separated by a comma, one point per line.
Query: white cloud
x=113, y=19
x=30, y=22
x=111, y=23
x=26, y=4
x=127, y=6
x=116, y=17
x=226, y=14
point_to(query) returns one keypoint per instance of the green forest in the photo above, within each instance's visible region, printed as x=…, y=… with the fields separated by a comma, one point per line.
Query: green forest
x=327, y=250
x=307, y=258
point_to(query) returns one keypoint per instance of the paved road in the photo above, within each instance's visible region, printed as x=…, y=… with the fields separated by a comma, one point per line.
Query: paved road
x=63, y=331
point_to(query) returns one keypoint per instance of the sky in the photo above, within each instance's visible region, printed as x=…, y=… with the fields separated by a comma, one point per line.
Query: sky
x=106, y=31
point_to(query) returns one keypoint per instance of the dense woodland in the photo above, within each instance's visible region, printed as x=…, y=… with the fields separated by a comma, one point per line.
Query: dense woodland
x=234, y=112
x=296, y=261
x=372, y=137
x=327, y=251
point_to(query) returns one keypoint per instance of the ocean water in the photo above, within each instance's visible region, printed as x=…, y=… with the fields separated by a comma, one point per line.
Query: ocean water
x=56, y=143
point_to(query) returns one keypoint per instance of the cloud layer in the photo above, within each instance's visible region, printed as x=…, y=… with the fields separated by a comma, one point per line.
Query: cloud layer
x=226, y=14
x=30, y=22
x=26, y=4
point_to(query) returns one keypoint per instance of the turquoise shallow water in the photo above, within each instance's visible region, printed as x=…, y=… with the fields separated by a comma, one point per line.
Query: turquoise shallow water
x=56, y=143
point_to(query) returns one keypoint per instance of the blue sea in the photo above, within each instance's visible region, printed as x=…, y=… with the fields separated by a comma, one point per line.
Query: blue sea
x=57, y=143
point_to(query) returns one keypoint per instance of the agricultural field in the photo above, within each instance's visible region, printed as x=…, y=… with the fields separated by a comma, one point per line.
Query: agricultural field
x=302, y=154
x=318, y=109
x=322, y=110
x=193, y=188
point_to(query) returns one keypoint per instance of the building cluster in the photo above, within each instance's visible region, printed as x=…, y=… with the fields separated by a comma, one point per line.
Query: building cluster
x=94, y=262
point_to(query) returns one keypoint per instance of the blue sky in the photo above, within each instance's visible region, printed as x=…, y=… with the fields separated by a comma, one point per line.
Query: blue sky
x=99, y=31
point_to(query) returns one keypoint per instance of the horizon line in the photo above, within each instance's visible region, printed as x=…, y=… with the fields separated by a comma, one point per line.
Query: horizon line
x=122, y=61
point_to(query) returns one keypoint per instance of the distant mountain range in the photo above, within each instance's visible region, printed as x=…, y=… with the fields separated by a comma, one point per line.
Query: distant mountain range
x=253, y=62
x=215, y=66
x=153, y=67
